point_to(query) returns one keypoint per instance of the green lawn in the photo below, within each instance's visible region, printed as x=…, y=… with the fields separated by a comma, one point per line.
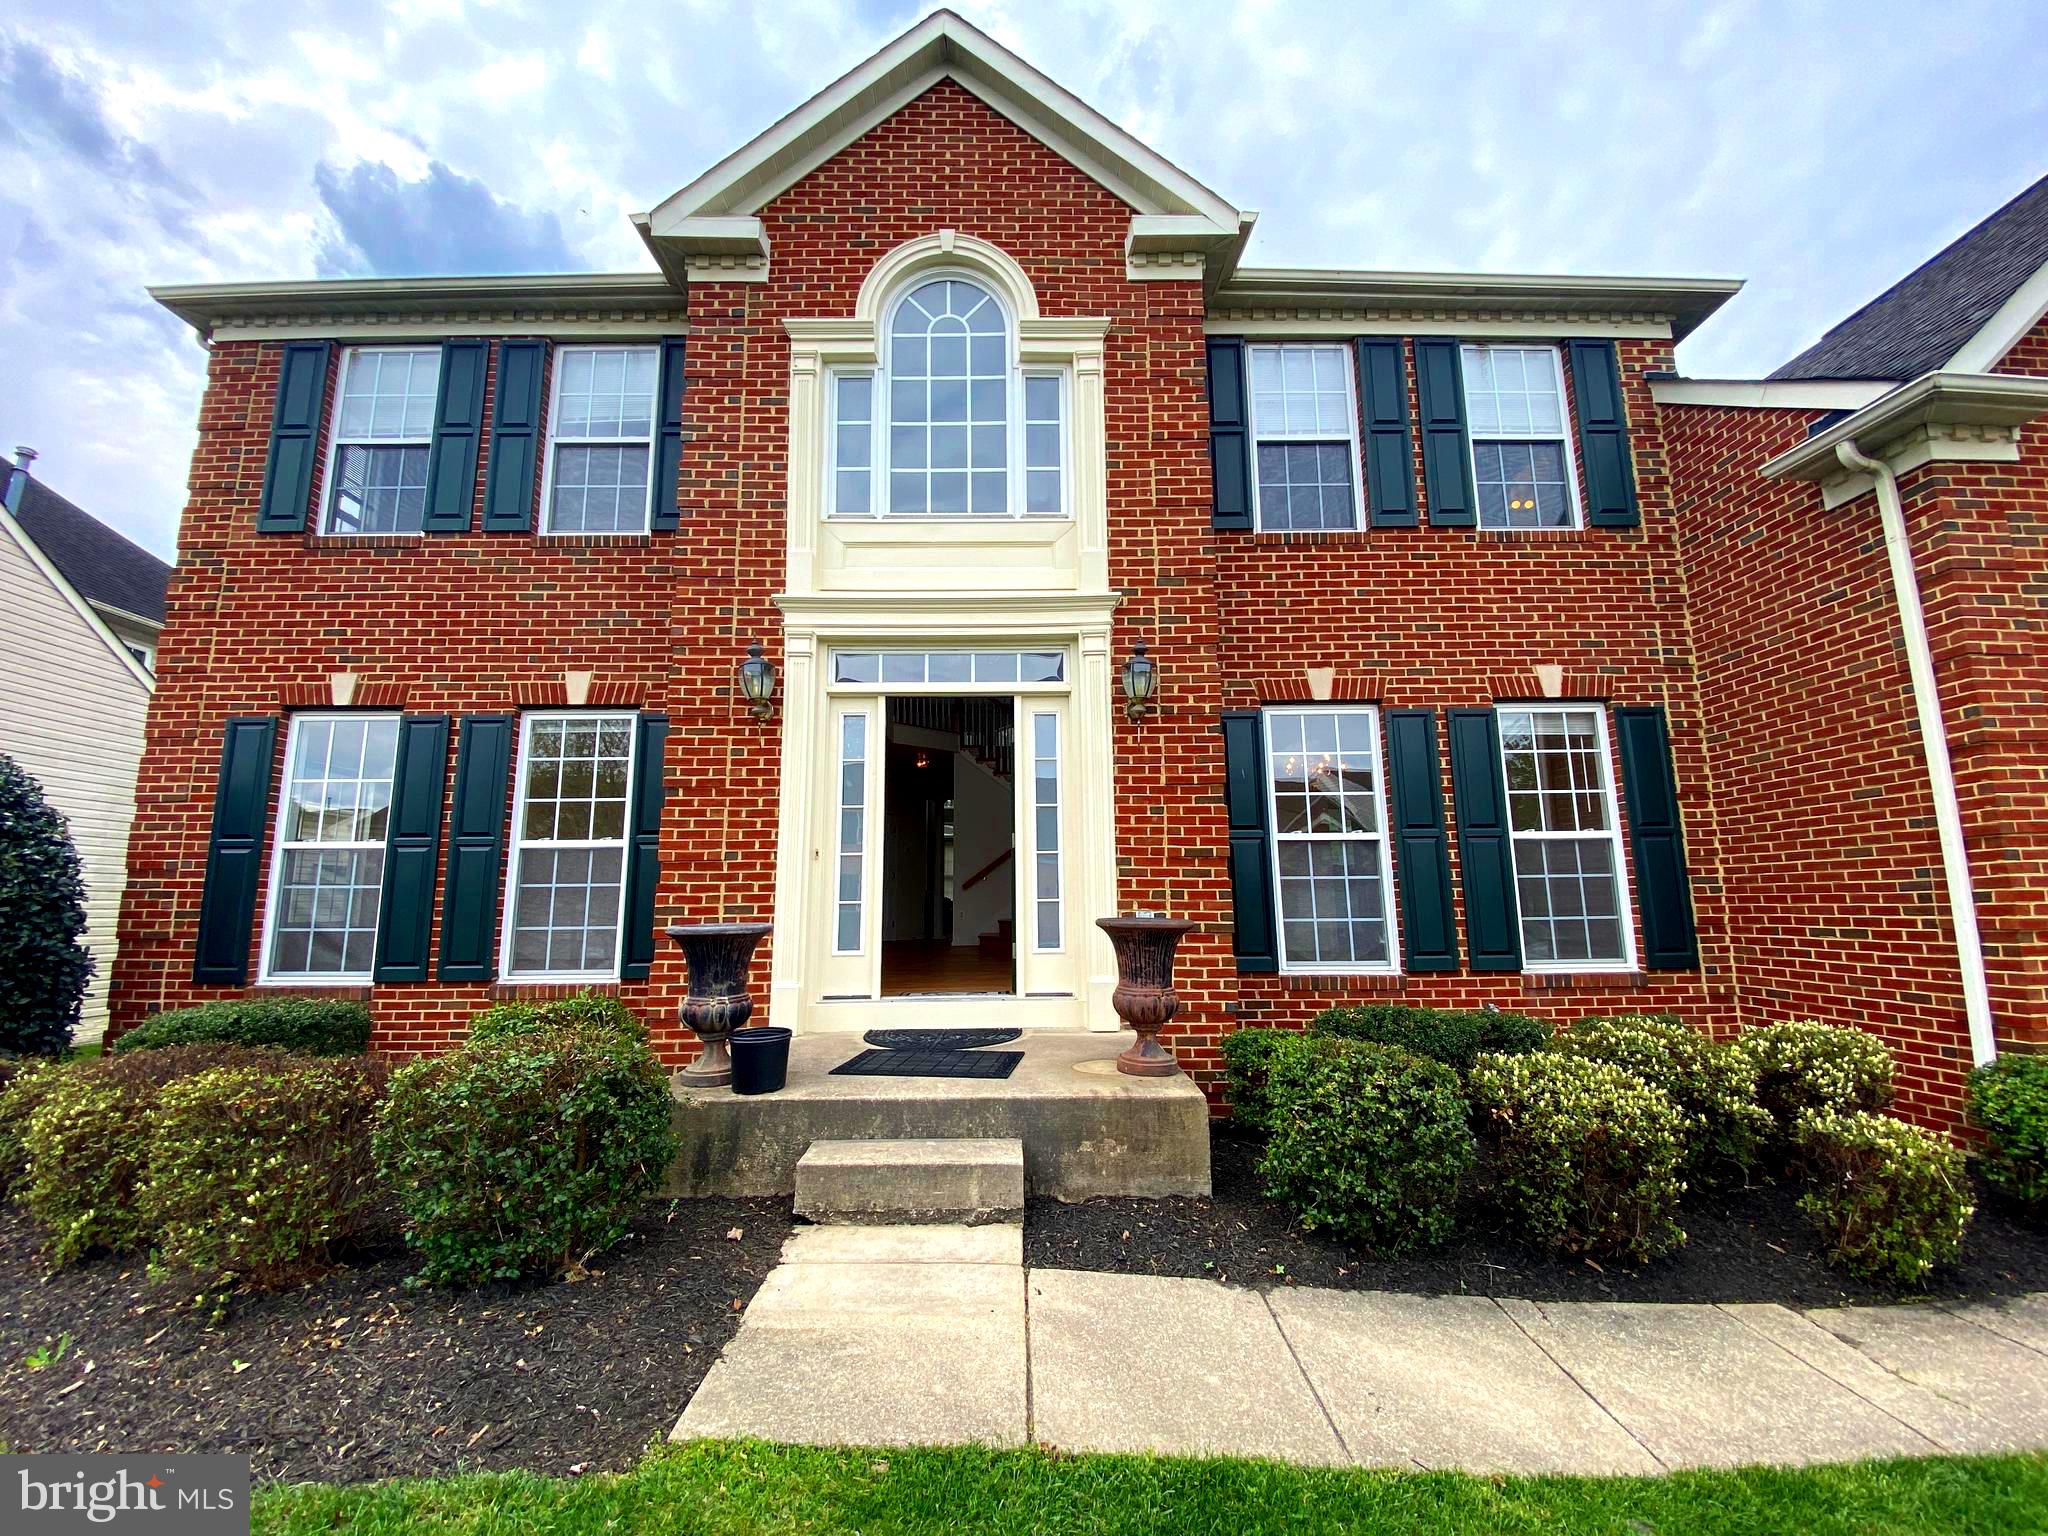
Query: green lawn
x=712, y=1488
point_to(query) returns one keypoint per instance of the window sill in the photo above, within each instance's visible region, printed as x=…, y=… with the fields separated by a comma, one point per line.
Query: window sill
x=545, y=988
x=352, y=986
x=1343, y=981
x=572, y=540
x=1620, y=979
x=367, y=540
x=1309, y=538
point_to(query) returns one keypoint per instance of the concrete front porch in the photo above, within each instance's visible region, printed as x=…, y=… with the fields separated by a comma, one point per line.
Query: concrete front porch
x=1087, y=1129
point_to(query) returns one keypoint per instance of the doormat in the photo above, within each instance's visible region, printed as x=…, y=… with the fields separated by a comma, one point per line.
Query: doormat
x=938, y=1039
x=985, y=1064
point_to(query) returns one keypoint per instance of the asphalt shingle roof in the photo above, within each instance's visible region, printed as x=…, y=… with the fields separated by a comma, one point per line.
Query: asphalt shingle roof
x=100, y=563
x=1922, y=320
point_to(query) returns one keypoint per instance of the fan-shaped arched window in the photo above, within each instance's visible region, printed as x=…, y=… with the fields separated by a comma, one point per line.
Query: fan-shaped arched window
x=950, y=425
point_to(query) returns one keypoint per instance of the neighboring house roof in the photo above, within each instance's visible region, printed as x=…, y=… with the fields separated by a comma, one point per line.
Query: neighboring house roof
x=1923, y=321
x=103, y=567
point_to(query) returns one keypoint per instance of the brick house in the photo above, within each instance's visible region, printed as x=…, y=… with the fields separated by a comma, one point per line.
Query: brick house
x=1494, y=664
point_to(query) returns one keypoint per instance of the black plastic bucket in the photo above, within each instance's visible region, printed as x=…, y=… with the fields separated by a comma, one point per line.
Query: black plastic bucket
x=760, y=1059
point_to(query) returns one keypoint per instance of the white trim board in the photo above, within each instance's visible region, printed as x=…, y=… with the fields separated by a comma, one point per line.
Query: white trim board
x=1772, y=394
x=2008, y=323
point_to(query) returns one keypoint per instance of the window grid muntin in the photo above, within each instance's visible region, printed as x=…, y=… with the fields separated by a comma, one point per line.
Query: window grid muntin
x=1047, y=872
x=345, y=840
x=382, y=440
x=949, y=402
x=639, y=384
x=1519, y=415
x=1355, y=858
x=849, y=872
x=1586, y=799
x=563, y=793
x=1315, y=410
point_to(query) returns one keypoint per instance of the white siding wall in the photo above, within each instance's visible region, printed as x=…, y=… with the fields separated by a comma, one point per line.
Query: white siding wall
x=71, y=714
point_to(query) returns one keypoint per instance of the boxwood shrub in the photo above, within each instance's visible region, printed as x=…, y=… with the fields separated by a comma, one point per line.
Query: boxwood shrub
x=1807, y=1065
x=1456, y=1037
x=260, y=1171
x=1712, y=1085
x=2009, y=1103
x=1248, y=1058
x=1891, y=1200
x=88, y=1144
x=585, y=1010
x=1585, y=1156
x=1367, y=1141
x=28, y=1081
x=523, y=1154
x=319, y=1026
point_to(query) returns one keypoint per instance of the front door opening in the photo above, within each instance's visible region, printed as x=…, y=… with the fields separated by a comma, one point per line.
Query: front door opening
x=949, y=836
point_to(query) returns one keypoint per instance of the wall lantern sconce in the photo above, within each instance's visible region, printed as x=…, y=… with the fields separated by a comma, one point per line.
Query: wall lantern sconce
x=1141, y=682
x=757, y=682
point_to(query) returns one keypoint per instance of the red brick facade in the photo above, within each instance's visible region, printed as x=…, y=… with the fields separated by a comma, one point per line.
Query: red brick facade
x=1762, y=625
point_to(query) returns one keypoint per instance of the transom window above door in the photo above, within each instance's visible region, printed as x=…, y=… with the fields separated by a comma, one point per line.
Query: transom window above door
x=950, y=425
x=1305, y=437
x=948, y=667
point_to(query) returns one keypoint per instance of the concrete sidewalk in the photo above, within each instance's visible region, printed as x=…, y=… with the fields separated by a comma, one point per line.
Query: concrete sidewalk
x=939, y=1335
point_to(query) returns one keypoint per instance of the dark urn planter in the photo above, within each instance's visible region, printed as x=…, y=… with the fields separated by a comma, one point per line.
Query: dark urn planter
x=1144, y=997
x=718, y=955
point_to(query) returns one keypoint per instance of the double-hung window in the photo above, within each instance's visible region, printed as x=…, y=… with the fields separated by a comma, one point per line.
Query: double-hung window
x=1521, y=452
x=1567, y=839
x=949, y=425
x=1305, y=436
x=327, y=870
x=383, y=438
x=569, y=847
x=601, y=426
x=1329, y=839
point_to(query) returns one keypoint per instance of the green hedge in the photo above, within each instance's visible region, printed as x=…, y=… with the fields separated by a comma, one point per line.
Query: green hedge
x=1712, y=1085
x=316, y=1025
x=28, y=1082
x=1454, y=1036
x=1367, y=1141
x=1891, y=1200
x=2009, y=1103
x=586, y=1010
x=1807, y=1066
x=1248, y=1059
x=44, y=964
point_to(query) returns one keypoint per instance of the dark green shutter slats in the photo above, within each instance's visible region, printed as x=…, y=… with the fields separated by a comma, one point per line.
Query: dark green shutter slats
x=668, y=468
x=1230, y=462
x=1389, y=446
x=1603, y=436
x=294, y=436
x=515, y=437
x=1446, y=449
x=476, y=849
x=643, y=857
x=1429, y=932
x=1663, y=888
x=458, y=425
x=412, y=848
x=1486, y=855
x=1251, y=876
x=234, y=853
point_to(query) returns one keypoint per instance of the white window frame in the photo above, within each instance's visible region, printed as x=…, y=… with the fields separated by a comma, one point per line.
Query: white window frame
x=1255, y=434
x=331, y=460
x=519, y=842
x=280, y=846
x=1014, y=471
x=556, y=441
x=867, y=852
x=1623, y=894
x=1566, y=419
x=1392, y=965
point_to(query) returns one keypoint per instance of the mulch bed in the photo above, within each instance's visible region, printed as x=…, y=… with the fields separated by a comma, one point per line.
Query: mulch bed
x=354, y=1377
x=1753, y=1245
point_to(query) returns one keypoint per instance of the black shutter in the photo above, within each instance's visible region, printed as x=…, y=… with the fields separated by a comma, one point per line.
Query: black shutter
x=476, y=849
x=1230, y=463
x=234, y=853
x=1389, y=447
x=1251, y=870
x=668, y=463
x=1663, y=888
x=1446, y=448
x=1603, y=436
x=1486, y=854
x=643, y=857
x=458, y=424
x=1429, y=932
x=412, y=848
x=294, y=436
x=515, y=437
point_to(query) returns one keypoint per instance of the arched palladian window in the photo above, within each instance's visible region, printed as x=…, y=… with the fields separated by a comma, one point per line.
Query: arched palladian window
x=950, y=425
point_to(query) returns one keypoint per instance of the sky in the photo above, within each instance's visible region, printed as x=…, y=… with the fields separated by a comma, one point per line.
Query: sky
x=1819, y=150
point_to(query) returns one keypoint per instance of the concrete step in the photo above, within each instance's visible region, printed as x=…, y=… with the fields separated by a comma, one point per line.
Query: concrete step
x=968, y=1179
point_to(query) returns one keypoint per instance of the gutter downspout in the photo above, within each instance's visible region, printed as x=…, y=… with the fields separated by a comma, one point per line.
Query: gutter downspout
x=1948, y=812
